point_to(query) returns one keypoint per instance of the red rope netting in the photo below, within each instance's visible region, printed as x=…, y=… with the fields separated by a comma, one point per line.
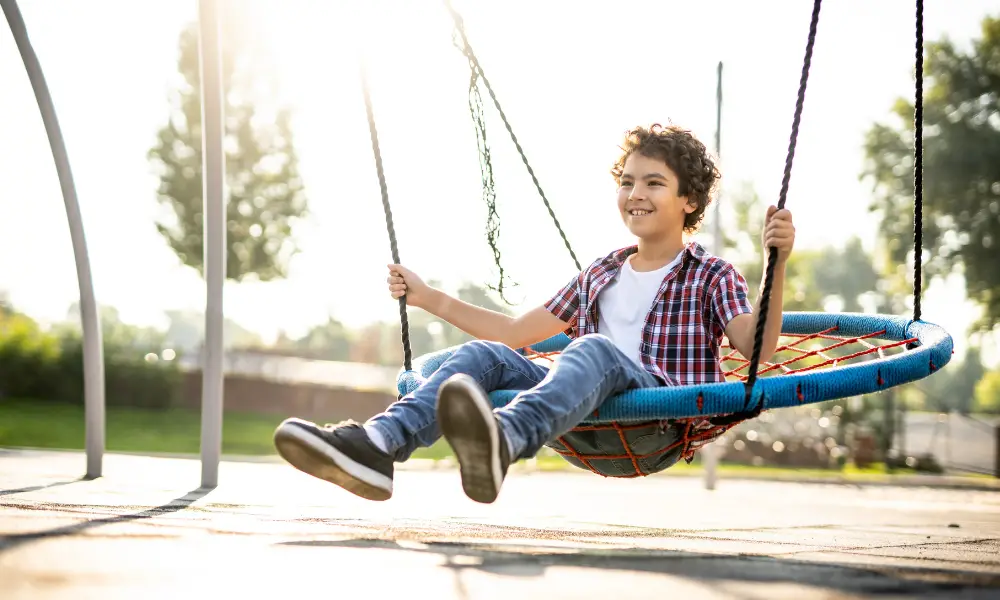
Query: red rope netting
x=795, y=354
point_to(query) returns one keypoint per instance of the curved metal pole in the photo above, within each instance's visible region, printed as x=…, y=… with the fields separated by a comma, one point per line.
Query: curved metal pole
x=93, y=352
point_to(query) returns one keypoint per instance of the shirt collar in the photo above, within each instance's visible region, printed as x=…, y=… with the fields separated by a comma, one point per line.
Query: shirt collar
x=618, y=258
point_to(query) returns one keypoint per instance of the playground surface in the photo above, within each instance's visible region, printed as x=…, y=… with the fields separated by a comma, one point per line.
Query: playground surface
x=146, y=530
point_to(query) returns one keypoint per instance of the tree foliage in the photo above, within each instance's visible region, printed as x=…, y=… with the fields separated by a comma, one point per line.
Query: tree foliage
x=379, y=343
x=812, y=277
x=265, y=192
x=988, y=393
x=961, y=174
x=952, y=388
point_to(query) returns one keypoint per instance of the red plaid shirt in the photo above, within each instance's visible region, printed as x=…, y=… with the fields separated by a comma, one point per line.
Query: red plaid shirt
x=683, y=331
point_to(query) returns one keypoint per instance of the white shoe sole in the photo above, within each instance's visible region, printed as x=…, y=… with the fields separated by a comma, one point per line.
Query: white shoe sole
x=465, y=416
x=314, y=456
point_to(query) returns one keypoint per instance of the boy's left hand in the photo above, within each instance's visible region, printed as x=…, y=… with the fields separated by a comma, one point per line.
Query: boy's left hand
x=779, y=231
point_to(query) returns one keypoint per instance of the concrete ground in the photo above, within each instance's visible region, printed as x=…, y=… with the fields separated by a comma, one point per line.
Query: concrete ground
x=145, y=530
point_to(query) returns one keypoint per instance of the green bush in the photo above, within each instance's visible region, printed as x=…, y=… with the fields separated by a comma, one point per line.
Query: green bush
x=49, y=366
x=28, y=358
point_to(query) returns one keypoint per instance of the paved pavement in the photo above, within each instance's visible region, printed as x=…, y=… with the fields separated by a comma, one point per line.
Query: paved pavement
x=145, y=530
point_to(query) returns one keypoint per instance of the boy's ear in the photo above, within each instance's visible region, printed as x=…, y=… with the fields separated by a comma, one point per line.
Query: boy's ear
x=690, y=206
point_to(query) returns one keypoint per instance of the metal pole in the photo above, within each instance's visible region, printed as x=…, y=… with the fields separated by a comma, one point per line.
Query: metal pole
x=717, y=224
x=947, y=441
x=213, y=182
x=889, y=433
x=710, y=452
x=93, y=351
x=996, y=449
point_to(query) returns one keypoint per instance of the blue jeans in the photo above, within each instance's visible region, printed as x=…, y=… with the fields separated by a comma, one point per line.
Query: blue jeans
x=554, y=401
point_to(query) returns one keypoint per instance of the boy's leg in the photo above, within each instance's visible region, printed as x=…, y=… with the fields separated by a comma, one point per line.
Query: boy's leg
x=412, y=422
x=590, y=369
x=345, y=455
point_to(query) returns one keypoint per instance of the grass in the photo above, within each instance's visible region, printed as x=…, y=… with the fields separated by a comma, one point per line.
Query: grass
x=37, y=424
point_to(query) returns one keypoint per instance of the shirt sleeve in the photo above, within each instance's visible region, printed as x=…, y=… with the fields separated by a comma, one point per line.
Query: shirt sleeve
x=730, y=298
x=565, y=304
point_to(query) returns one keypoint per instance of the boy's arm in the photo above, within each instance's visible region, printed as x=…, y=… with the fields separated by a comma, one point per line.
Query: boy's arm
x=534, y=326
x=779, y=233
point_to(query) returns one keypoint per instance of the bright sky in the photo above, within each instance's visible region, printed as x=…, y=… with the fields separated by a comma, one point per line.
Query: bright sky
x=570, y=77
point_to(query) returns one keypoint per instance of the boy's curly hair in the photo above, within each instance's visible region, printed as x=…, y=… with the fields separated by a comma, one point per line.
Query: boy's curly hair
x=686, y=156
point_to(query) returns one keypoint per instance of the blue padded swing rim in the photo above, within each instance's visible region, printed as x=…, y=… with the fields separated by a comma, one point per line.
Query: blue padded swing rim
x=933, y=351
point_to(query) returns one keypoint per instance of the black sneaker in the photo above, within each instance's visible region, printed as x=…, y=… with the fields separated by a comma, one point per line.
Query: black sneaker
x=342, y=454
x=465, y=415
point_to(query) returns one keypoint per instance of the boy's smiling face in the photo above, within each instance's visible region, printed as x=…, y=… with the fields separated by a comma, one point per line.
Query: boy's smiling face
x=648, y=200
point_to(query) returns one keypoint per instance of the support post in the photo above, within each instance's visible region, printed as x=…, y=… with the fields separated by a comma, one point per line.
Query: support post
x=717, y=221
x=710, y=453
x=889, y=433
x=996, y=450
x=93, y=349
x=213, y=182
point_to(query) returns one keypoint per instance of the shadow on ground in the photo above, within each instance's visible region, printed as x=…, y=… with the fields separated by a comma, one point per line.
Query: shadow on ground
x=10, y=541
x=532, y=561
x=36, y=488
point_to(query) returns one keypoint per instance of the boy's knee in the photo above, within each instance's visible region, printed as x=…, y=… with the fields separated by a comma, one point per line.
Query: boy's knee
x=480, y=347
x=592, y=342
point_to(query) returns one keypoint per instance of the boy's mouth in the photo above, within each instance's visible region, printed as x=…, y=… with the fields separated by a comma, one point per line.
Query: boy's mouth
x=636, y=212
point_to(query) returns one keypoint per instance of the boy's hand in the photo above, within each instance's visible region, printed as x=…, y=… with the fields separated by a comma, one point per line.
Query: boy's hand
x=779, y=232
x=404, y=282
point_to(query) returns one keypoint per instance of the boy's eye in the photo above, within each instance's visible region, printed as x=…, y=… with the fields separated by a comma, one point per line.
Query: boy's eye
x=626, y=183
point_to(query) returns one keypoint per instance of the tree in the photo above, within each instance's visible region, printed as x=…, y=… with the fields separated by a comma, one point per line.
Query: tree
x=988, y=393
x=811, y=276
x=266, y=194
x=327, y=341
x=186, y=332
x=847, y=273
x=961, y=201
x=949, y=389
x=117, y=335
x=6, y=308
x=380, y=342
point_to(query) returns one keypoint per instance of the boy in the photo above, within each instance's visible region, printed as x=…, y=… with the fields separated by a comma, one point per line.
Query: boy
x=649, y=315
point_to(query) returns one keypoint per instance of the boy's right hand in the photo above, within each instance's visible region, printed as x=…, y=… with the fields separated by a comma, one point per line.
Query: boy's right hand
x=404, y=282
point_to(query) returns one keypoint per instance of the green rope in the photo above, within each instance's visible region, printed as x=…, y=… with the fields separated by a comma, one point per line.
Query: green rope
x=486, y=173
x=477, y=69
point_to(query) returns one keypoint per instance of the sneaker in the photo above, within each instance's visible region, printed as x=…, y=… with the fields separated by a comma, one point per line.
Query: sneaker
x=465, y=415
x=342, y=454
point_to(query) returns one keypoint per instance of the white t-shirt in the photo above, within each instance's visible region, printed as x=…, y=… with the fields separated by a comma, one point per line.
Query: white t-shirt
x=623, y=305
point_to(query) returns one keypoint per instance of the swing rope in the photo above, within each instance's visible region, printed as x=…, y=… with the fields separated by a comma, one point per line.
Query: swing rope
x=772, y=257
x=393, y=246
x=912, y=350
x=477, y=110
x=478, y=70
x=918, y=161
x=721, y=423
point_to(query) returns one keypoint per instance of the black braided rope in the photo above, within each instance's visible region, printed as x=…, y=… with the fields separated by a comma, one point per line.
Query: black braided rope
x=403, y=320
x=467, y=50
x=918, y=162
x=772, y=256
